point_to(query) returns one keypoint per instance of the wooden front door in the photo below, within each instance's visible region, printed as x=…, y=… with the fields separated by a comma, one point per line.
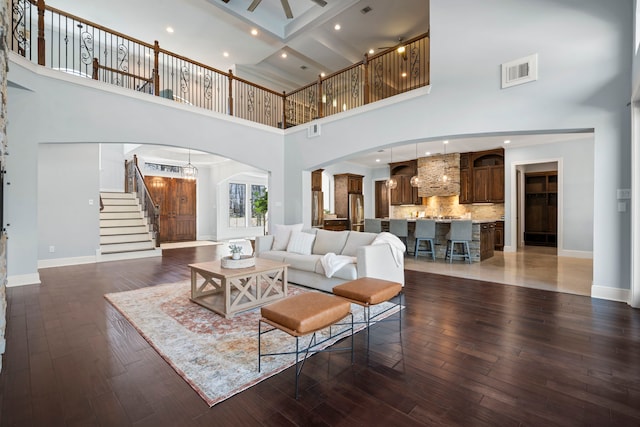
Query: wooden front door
x=177, y=200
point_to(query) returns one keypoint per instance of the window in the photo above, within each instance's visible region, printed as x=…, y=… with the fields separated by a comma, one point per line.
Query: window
x=237, y=205
x=256, y=192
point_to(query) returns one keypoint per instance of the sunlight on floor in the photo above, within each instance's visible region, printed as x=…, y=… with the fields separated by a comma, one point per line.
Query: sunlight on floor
x=533, y=267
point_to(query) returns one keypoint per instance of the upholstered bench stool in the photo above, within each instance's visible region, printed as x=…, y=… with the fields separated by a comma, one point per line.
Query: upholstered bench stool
x=368, y=291
x=305, y=314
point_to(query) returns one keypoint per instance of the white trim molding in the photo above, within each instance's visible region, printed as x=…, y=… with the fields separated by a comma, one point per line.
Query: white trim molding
x=23, y=279
x=575, y=254
x=610, y=293
x=61, y=262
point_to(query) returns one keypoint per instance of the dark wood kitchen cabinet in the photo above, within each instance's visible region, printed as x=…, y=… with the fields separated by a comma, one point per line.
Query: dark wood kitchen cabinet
x=487, y=239
x=482, y=177
x=404, y=193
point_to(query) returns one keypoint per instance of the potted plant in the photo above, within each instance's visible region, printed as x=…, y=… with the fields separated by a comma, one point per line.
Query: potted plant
x=260, y=208
x=236, y=251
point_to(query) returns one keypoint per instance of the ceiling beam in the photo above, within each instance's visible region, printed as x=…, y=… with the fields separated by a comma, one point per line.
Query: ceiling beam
x=287, y=8
x=253, y=5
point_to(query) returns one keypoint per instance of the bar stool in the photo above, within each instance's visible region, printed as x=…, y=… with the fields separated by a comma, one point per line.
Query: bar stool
x=372, y=225
x=400, y=228
x=425, y=232
x=460, y=233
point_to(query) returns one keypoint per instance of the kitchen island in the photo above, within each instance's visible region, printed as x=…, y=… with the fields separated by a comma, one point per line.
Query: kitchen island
x=481, y=245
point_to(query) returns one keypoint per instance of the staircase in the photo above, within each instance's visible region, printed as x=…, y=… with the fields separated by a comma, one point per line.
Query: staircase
x=124, y=229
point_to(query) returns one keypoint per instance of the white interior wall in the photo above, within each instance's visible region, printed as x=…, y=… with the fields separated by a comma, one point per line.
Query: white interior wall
x=68, y=202
x=111, y=167
x=578, y=89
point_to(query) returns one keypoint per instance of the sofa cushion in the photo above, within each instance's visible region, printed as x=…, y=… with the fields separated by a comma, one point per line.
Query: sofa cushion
x=281, y=234
x=355, y=240
x=329, y=241
x=302, y=262
x=301, y=243
x=274, y=255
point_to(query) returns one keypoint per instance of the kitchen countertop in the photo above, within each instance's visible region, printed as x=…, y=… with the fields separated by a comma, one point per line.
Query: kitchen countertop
x=448, y=220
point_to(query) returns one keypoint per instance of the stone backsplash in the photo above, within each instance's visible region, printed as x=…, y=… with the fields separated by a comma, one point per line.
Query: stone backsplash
x=431, y=171
x=448, y=206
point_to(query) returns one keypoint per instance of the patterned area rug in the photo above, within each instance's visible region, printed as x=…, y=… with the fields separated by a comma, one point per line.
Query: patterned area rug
x=217, y=357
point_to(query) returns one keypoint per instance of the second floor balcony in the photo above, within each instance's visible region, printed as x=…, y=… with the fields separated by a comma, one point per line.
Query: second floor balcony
x=62, y=41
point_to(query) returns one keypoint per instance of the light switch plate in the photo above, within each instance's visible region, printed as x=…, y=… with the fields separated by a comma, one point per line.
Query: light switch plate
x=623, y=193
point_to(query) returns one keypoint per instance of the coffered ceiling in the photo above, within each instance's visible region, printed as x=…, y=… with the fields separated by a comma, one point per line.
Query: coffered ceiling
x=205, y=29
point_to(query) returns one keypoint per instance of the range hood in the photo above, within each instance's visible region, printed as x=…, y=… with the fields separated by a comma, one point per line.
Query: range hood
x=431, y=171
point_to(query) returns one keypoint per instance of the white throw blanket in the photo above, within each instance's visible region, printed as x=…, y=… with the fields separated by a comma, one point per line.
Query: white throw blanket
x=397, y=247
x=332, y=262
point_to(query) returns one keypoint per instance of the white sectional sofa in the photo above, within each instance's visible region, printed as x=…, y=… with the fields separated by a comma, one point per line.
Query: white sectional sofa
x=359, y=255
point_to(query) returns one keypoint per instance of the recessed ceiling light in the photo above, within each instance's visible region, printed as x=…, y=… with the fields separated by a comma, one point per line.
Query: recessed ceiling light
x=170, y=30
x=378, y=160
x=284, y=54
x=337, y=27
x=507, y=141
x=254, y=32
x=225, y=54
x=371, y=51
x=427, y=153
x=445, y=142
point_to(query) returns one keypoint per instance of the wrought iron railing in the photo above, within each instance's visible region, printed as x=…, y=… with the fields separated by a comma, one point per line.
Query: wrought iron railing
x=134, y=183
x=59, y=40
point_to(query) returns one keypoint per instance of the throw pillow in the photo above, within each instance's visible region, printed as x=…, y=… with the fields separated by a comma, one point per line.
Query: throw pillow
x=330, y=241
x=281, y=234
x=355, y=240
x=300, y=243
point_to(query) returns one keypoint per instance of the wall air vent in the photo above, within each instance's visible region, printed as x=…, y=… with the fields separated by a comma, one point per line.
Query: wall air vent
x=313, y=130
x=520, y=71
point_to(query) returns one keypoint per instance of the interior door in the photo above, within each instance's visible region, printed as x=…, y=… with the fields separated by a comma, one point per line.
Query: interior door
x=381, y=200
x=177, y=200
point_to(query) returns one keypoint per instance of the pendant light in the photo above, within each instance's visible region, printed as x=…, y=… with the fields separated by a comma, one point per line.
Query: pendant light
x=391, y=183
x=189, y=171
x=415, y=179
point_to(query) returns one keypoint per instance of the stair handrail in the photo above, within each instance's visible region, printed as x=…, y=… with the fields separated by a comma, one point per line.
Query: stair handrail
x=134, y=183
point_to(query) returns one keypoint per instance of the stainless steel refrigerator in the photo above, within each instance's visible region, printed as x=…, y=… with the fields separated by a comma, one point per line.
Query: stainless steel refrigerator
x=356, y=212
x=317, y=209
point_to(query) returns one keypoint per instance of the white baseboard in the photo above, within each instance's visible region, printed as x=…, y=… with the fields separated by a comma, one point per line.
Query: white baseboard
x=23, y=279
x=576, y=254
x=609, y=293
x=509, y=249
x=61, y=262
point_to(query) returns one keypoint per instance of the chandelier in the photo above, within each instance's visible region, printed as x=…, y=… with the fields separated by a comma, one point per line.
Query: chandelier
x=189, y=171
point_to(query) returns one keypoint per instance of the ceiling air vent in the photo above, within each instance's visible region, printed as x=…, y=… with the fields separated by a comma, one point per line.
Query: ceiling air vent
x=366, y=10
x=520, y=71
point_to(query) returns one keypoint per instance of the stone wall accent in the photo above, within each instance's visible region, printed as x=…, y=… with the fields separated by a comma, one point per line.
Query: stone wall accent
x=5, y=30
x=430, y=172
x=449, y=207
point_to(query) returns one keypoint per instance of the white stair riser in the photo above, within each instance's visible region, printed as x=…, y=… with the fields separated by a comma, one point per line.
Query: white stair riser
x=110, y=231
x=120, y=208
x=121, y=222
x=125, y=247
x=120, y=202
x=121, y=215
x=107, y=195
x=125, y=238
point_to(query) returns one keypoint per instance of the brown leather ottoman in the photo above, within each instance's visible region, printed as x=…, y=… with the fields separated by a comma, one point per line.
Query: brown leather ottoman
x=302, y=315
x=368, y=291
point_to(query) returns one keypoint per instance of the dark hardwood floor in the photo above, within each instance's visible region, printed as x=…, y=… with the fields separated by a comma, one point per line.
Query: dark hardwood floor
x=471, y=353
